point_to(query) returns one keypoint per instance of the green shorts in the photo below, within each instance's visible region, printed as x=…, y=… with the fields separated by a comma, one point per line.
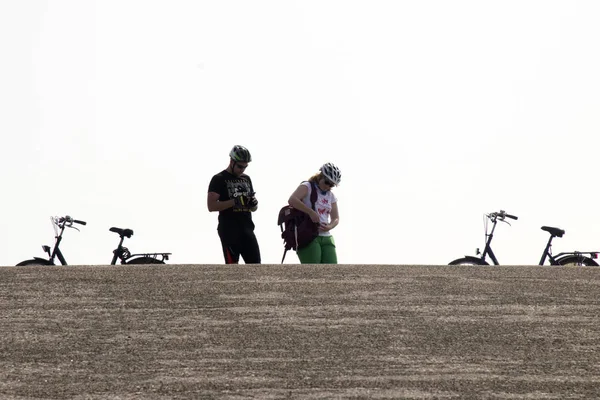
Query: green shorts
x=320, y=251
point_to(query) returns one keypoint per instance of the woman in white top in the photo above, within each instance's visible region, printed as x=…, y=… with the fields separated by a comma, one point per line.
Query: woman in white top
x=322, y=249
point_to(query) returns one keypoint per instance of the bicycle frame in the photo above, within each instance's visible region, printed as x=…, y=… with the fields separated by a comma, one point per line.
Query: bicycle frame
x=548, y=253
x=487, y=251
x=56, y=251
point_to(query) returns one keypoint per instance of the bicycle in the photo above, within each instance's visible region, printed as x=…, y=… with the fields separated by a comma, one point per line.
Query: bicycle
x=575, y=258
x=120, y=253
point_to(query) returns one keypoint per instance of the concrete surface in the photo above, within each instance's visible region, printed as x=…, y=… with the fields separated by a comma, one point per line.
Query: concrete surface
x=299, y=331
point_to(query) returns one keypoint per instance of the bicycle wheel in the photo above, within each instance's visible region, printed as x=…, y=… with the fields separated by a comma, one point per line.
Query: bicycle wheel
x=35, y=261
x=144, y=260
x=577, y=261
x=469, y=261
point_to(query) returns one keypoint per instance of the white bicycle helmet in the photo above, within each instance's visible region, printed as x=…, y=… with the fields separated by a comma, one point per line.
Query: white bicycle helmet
x=240, y=153
x=331, y=172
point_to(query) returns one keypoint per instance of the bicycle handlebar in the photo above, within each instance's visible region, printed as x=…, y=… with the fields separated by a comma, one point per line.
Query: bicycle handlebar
x=502, y=215
x=68, y=221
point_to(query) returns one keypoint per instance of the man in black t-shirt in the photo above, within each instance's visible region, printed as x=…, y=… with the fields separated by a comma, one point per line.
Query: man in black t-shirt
x=230, y=192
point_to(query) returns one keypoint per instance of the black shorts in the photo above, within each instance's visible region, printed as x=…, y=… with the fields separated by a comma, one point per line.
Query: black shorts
x=238, y=243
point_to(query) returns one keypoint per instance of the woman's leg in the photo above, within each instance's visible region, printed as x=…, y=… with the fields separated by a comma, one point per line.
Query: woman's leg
x=328, y=253
x=311, y=254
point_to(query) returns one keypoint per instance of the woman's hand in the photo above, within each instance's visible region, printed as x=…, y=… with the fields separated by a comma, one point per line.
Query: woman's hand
x=325, y=227
x=314, y=216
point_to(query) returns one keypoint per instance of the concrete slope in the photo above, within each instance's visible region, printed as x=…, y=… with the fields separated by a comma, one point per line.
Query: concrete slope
x=299, y=331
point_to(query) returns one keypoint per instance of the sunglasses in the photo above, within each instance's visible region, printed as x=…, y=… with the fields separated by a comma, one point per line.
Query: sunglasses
x=241, y=166
x=328, y=182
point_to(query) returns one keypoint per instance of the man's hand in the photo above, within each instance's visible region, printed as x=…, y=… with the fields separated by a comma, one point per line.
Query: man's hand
x=240, y=202
x=252, y=202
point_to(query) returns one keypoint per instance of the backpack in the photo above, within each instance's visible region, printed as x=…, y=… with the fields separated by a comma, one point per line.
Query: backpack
x=297, y=229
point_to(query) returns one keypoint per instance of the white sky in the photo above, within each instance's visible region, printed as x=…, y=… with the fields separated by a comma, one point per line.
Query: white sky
x=119, y=113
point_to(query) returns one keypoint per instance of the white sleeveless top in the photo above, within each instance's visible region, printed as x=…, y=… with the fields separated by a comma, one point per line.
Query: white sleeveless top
x=322, y=205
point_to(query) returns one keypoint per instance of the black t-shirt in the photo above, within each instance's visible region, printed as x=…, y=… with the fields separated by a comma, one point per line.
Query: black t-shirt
x=227, y=185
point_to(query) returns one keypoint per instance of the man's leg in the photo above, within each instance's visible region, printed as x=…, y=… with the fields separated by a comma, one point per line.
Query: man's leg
x=231, y=256
x=231, y=252
x=310, y=254
x=328, y=252
x=251, y=251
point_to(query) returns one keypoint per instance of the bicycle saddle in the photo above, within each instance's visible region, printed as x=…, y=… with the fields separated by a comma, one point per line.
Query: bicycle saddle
x=553, y=231
x=122, y=232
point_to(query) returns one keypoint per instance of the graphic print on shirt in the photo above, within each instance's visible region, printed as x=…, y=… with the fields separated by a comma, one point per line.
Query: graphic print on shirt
x=324, y=209
x=239, y=188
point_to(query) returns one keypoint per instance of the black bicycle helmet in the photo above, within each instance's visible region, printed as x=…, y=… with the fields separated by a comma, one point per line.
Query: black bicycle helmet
x=240, y=154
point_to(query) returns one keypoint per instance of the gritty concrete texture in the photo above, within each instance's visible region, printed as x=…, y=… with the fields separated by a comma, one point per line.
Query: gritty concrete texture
x=299, y=331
